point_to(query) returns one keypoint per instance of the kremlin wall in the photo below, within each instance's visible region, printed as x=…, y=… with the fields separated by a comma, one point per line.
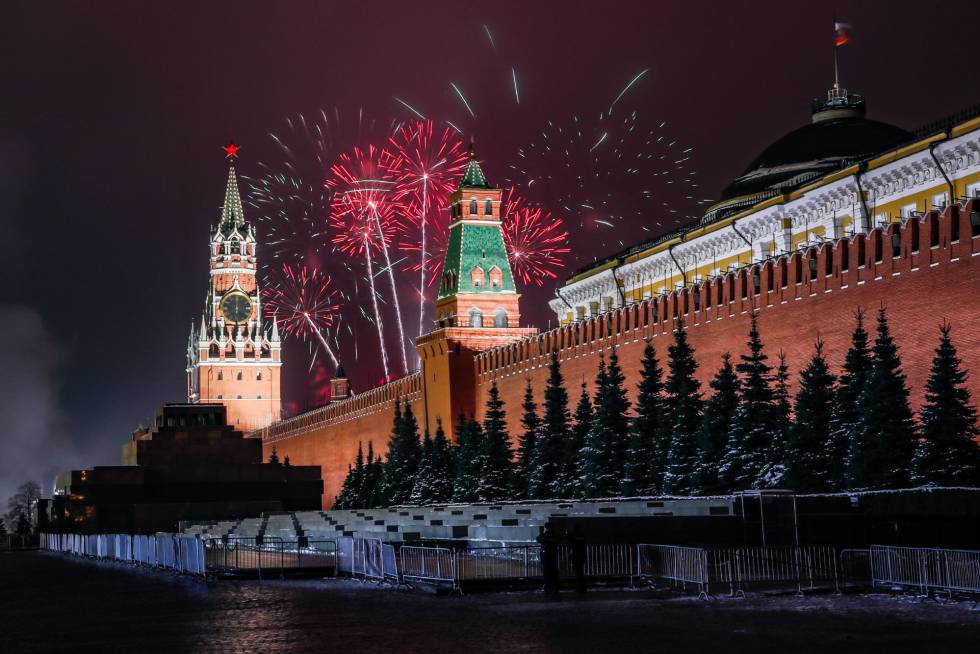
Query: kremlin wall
x=918, y=262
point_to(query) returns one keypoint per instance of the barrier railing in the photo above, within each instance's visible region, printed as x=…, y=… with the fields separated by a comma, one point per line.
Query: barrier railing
x=678, y=565
x=926, y=569
x=434, y=564
x=491, y=563
x=601, y=561
x=367, y=558
x=182, y=554
x=803, y=567
x=268, y=556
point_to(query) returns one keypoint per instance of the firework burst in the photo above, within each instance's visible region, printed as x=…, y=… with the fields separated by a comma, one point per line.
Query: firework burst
x=536, y=241
x=365, y=214
x=304, y=303
x=427, y=166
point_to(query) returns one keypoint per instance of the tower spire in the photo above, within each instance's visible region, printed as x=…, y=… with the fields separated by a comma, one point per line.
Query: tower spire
x=473, y=176
x=232, y=213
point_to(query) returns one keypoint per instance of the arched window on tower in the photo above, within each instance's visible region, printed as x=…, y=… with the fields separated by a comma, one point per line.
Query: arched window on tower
x=496, y=277
x=499, y=318
x=221, y=375
x=239, y=376
x=476, y=277
x=488, y=208
x=473, y=207
x=476, y=317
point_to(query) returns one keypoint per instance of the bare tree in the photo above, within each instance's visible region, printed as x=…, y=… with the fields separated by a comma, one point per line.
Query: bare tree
x=21, y=502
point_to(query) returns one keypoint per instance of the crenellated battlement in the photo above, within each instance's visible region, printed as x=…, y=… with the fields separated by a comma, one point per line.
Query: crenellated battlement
x=916, y=244
x=378, y=399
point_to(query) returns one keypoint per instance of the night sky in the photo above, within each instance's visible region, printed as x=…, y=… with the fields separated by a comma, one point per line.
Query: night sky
x=113, y=113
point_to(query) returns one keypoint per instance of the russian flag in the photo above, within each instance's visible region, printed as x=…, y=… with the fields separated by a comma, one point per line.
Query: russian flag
x=841, y=33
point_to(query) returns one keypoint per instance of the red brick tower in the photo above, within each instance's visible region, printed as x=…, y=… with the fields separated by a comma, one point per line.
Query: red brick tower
x=232, y=357
x=478, y=305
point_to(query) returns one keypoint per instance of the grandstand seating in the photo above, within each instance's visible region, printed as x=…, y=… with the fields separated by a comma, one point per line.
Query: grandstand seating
x=500, y=523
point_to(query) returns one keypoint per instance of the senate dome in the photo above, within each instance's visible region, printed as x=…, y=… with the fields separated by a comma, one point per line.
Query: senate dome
x=838, y=136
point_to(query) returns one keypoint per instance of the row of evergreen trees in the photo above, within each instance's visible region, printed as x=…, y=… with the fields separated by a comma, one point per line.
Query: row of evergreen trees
x=846, y=432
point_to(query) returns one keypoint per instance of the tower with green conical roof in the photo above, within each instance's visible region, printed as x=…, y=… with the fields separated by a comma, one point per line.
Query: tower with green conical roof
x=477, y=286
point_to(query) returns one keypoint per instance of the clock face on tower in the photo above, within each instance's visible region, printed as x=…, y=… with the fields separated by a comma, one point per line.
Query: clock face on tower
x=236, y=307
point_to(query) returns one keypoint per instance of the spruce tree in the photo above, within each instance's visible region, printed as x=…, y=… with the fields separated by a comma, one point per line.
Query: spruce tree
x=568, y=479
x=525, y=451
x=684, y=406
x=719, y=410
x=846, y=411
x=774, y=467
x=603, y=458
x=808, y=464
x=404, y=451
x=422, y=489
x=348, y=496
x=441, y=467
x=883, y=442
x=548, y=450
x=646, y=461
x=496, y=476
x=274, y=458
x=3, y=528
x=370, y=495
x=947, y=453
x=469, y=459
x=754, y=425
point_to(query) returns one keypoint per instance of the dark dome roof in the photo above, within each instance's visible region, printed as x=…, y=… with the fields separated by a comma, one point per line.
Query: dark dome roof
x=838, y=136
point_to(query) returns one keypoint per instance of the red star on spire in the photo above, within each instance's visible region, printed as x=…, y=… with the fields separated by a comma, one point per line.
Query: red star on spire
x=231, y=150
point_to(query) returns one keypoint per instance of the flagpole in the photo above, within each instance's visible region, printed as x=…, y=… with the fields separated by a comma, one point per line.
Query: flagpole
x=834, y=41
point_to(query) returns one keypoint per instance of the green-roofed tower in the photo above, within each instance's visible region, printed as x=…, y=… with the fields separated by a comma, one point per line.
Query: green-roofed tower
x=477, y=287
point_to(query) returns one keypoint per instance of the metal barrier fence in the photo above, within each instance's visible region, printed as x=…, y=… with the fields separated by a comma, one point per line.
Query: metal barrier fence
x=270, y=555
x=175, y=552
x=741, y=567
x=926, y=569
x=601, y=561
x=678, y=565
x=498, y=563
x=435, y=564
x=368, y=558
x=803, y=567
x=516, y=562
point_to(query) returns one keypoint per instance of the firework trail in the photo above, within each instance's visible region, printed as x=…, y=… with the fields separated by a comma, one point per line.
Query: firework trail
x=426, y=167
x=364, y=214
x=304, y=303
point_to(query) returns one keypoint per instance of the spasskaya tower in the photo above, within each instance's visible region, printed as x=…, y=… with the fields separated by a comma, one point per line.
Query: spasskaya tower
x=233, y=357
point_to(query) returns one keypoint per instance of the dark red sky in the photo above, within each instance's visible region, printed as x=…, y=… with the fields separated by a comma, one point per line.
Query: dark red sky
x=112, y=114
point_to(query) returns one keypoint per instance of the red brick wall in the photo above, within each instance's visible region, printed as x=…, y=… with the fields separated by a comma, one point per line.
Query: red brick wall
x=328, y=437
x=919, y=288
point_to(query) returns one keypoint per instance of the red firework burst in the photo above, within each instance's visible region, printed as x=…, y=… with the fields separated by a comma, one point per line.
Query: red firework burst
x=426, y=166
x=426, y=169
x=302, y=300
x=535, y=241
x=363, y=199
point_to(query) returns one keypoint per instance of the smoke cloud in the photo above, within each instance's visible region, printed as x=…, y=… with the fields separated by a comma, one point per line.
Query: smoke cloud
x=34, y=440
